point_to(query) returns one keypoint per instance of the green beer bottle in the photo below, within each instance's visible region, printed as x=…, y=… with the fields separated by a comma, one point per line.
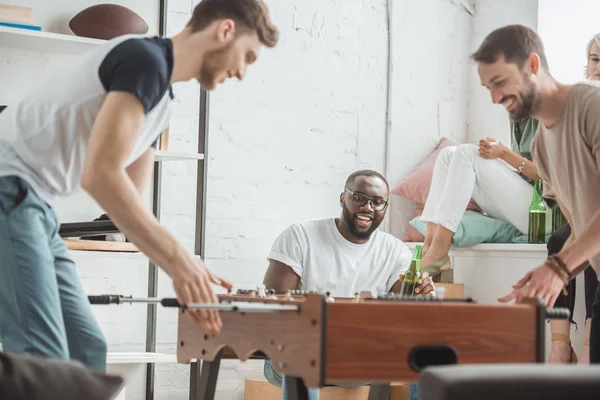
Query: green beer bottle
x=537, y=216
x=412, y=275
x=558, y=218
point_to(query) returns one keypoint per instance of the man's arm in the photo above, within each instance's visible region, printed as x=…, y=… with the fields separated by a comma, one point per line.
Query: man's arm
x=280, y=277
x=515, y=160
x=105, y=178
x=141, y=169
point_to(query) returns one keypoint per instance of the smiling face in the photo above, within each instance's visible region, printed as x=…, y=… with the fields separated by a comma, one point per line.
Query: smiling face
x=510, y=86
x=234, y=54
x=593, y=65
x=361, y=216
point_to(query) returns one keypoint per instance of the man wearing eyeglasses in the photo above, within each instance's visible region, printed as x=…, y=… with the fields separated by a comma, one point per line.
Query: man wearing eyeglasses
x=343, y=255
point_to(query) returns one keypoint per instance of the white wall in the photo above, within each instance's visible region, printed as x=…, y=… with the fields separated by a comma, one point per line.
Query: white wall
x=309, y=113
x=566, y=48
x=485, y=118
x=429, y=88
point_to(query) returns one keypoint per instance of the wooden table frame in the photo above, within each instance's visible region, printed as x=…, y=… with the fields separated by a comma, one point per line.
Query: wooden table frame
x=310, y=347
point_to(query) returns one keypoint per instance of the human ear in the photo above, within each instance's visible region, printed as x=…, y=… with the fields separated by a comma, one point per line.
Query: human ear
x=225, y=30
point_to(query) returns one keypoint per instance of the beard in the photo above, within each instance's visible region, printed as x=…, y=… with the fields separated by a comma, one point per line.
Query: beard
x=350, y=221
x=529, y=100
x=214, y=64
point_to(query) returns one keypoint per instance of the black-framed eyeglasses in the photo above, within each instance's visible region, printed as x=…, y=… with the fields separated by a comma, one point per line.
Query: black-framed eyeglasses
x=359, y=199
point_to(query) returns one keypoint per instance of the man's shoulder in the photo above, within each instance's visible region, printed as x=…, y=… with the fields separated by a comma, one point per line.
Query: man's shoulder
x=142, y=50
x=312, y=225
x=387, y=239
x=586, y=91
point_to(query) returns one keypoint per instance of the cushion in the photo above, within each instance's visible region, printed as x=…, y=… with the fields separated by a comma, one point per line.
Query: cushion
x=26, y=377
x=415, y=187
x=525, y=239
x=475, y=228
x=412, y=234
x=510, y=381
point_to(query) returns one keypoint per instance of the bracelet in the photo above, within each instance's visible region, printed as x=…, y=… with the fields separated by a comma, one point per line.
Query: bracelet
x=561, y=266
x=560, y=274
x=520, y=169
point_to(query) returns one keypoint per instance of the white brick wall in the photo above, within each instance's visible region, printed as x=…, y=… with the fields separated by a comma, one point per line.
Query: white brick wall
x=486, y=119
x=309, y=113
x=429, y=87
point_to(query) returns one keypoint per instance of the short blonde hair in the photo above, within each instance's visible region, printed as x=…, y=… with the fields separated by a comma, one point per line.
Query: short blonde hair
x=249, y=15
x=596, y=39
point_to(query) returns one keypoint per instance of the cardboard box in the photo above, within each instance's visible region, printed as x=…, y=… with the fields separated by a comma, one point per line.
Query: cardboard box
x=453, y=290
x=263, y=390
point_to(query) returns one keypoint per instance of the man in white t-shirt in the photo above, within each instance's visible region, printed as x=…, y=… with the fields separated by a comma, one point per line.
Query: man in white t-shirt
x=94, y=125
x=342, y=255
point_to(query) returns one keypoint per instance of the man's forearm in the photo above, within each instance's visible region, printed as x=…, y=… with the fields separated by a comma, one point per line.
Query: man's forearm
x=515, y=160
x=116, y=193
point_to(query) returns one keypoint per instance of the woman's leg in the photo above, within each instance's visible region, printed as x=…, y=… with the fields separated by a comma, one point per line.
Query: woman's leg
x=436, y=190
x=562, y=351
x=595, y=330
x=591, y=282
x=500, y=192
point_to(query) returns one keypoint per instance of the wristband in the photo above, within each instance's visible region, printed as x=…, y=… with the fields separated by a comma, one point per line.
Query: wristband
x=561, y=266
x=563, y=274
x=520, y=169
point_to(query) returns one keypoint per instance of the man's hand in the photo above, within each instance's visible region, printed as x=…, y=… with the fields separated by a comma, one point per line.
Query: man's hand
x=491, y=149
x=425, y=285
x=192, y=284
x=542, y=282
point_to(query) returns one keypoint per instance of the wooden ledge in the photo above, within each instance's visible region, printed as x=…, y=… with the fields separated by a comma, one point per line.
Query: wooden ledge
x=100, y=245
x=492, y=247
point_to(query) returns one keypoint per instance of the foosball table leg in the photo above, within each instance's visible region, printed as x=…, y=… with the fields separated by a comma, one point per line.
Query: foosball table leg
x=295, y=388
x=205, y=384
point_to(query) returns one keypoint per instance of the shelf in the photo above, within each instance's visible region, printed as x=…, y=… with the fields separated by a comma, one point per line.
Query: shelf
x=161, y=155
x=25, y=39
x=490, y=247
x=140, y=358
x=98, y=245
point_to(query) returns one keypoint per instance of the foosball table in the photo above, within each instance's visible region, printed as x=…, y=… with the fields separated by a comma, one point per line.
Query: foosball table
x=314, y=340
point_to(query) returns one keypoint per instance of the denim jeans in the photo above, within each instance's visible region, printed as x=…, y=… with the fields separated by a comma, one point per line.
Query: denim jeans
x=274, y=378
x=44, y=310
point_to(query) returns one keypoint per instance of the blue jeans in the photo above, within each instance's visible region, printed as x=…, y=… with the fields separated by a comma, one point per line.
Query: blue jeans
x=44, y=310
x=274, y=378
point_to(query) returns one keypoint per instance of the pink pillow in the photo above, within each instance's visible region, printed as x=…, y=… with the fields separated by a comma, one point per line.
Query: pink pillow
x=412, y=234
x=415, y=187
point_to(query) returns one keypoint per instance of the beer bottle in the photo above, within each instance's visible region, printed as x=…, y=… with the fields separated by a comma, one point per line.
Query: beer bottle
x=537, y=216
x=409, y=283
x=558, y=218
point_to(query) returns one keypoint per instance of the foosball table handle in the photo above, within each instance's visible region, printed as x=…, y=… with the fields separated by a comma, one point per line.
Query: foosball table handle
x=170, y=302
x=558, y=313
x=106, y=299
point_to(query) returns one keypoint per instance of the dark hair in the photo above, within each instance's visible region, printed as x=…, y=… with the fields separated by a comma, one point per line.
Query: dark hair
x=515, y=42
x=368, y=173
x=249, y=15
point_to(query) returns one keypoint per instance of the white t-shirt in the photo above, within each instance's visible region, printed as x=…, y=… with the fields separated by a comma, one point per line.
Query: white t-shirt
x=325, y=261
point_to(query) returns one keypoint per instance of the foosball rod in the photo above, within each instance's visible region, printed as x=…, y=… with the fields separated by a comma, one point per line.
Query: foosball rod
x=237, y=306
